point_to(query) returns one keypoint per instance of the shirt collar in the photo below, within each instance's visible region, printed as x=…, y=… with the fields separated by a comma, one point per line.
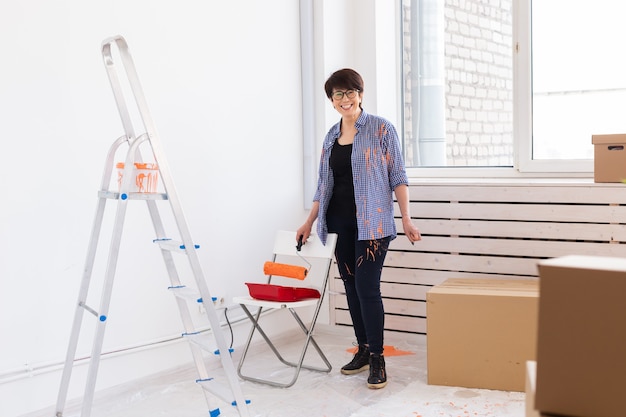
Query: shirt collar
x=362, y=118
x=335, y=130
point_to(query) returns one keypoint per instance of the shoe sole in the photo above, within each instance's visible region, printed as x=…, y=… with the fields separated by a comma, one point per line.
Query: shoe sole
x=377, y=386
x=355, y=371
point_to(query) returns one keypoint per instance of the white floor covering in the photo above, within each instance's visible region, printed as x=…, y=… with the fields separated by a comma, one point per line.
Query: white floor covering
x=315, y=394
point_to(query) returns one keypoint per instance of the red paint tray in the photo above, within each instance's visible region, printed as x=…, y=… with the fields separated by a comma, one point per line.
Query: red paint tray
x=271, y=292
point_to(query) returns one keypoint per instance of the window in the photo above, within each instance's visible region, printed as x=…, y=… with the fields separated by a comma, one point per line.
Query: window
x=578, y=76
x=481, y=89
x=458, y=83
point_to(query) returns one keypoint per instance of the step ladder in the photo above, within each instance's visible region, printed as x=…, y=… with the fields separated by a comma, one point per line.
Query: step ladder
x=185, y=296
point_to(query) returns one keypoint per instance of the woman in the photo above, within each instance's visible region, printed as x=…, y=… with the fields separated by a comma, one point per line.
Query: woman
x=361, y=167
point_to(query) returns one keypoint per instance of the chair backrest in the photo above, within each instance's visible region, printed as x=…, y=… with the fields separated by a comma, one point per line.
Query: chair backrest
x=314, y=255
x=285, y=244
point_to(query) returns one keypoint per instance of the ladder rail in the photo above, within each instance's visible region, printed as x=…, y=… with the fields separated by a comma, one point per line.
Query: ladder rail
x=146, y=118
x=86, y=279
x=118, y=94
x=111, y=268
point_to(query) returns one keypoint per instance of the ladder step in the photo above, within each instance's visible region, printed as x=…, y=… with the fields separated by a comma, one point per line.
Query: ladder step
x=172, y=245
x=92, y=311
x=192, y=295
x=186, y=293
x=113, y=195
x=219, y=390
x=203, y=341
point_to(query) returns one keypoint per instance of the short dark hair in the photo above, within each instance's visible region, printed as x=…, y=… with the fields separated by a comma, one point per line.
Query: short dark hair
x=344, y=78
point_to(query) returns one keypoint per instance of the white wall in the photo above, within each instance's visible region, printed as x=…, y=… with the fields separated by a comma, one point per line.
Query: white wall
x=222, y=80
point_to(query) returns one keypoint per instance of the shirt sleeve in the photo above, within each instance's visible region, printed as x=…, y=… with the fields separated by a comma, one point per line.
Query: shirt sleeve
x=395, y=165
x=321, y=173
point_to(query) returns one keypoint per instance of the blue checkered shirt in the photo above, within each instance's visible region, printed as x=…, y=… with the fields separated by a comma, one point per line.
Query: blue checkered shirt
x=377, y=169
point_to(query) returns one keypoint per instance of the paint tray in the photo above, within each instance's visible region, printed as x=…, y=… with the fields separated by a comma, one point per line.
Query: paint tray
x=271, y=292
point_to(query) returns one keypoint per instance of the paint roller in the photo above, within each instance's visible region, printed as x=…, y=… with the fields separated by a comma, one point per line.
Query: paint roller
x=285, y=270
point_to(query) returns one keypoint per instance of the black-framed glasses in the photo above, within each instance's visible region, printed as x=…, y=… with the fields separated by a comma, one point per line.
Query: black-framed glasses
x=338, y=95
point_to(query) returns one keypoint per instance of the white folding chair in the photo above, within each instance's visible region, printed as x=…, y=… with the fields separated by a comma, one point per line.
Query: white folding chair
x=314, y=255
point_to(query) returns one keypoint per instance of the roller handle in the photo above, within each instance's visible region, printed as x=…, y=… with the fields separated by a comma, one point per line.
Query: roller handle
x=300, y=243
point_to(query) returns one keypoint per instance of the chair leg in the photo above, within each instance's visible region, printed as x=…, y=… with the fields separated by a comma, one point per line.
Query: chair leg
x=310, y=338
x=250, y=335
x=257, y=327
x=299, y=365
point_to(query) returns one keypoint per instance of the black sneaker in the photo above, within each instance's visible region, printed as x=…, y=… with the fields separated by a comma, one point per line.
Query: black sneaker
x=378, y=374
x=359, y=363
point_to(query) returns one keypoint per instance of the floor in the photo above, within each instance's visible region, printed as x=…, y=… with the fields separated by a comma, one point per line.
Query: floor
x=315, y=394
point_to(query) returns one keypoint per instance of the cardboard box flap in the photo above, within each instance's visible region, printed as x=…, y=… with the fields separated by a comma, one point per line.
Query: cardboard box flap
x=494, y=286
x=619, y=138
x=586, y=262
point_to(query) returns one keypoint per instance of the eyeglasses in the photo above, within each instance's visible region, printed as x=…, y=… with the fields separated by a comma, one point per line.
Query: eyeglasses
x=338, y=95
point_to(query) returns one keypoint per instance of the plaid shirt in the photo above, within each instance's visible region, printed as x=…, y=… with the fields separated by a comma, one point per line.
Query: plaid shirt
x=377, y=169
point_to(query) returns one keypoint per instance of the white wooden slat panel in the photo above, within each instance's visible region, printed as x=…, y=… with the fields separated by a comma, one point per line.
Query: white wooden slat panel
x=341, y=302
x=426, y=277
x=430, y=277
x=543, y=194
x=512, y=247
x=537, y=230
x=405, y=307
x=394, y=306
x=406, y=291
x=343, y=317
x=392, y=323
x=337, y=284
x=391, y=288
x=448, y=262
x=414, y=276
x=519, y=212
x=405, y=324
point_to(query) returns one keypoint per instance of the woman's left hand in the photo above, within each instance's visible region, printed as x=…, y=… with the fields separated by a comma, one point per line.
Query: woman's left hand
x=410, y=230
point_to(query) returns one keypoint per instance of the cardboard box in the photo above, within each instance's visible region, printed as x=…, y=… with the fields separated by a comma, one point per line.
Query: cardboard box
x=531, y=379
x=581, y=344
x=609, y=157
x=531, y=385
x=481, y=332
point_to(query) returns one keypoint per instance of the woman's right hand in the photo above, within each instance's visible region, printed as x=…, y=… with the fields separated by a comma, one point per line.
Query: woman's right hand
x=303, y=233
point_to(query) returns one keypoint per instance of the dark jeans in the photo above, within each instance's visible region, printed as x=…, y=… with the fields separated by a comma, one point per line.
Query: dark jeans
x=360, y=264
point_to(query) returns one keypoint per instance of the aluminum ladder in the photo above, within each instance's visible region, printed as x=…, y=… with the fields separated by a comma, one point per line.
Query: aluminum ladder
x=185, y=296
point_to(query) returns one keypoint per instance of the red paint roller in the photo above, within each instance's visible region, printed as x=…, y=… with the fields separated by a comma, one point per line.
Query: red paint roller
x=285, y=270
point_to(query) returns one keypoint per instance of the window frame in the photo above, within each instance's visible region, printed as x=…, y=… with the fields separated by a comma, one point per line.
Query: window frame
x=524, y=166
x=522, y=103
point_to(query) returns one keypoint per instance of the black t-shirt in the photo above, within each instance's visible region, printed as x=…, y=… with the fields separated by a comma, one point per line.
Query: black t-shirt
x=342, y=201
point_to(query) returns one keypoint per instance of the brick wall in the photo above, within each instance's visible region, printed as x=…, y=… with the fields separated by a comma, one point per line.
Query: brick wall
x=478, y=82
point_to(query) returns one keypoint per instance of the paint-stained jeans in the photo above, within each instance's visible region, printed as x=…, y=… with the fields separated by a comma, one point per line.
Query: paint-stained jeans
x=360, y=265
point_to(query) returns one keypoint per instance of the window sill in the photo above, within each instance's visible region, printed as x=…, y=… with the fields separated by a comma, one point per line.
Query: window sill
x=547, y=182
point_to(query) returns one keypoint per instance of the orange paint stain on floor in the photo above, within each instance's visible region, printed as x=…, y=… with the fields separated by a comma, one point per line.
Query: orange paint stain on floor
x=388, y=351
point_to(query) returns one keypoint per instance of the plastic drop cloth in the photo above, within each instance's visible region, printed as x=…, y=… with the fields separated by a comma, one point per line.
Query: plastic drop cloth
x=175, y=394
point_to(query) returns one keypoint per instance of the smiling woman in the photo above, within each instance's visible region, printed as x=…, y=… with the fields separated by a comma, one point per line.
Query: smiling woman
x=360, y=168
